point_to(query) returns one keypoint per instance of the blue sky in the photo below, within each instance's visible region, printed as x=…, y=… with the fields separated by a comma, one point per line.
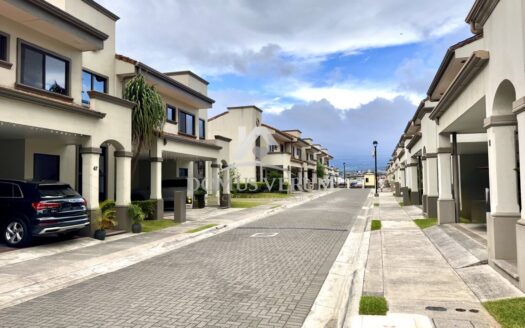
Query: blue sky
x=344, y=72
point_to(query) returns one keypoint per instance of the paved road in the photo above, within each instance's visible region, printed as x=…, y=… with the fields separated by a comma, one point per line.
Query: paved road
x=230, y=280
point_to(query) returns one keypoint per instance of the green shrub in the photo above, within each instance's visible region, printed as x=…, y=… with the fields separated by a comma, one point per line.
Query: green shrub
x=148, y=207
x=376, y=225
x=373, y=305
x=257, y=187
x=135, y=213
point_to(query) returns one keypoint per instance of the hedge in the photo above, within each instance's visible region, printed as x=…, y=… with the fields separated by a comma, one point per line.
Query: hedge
x=257, y=187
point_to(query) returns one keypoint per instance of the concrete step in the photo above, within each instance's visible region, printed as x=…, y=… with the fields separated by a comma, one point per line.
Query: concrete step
x=471, y=245
x=454, y=252
x=510, y=267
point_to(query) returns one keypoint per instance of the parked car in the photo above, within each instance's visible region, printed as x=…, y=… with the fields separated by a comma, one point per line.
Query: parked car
x=37, y=208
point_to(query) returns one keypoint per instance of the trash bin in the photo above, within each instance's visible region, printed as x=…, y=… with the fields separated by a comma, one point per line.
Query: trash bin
x=179, y=208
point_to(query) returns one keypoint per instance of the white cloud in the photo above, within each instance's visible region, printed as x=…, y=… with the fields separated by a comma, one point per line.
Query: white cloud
x=352, y=94
x=250, y=37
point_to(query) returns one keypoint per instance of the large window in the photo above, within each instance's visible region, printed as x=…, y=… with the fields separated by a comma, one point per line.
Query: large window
x=186, y=123
x=202, y=129
x=46, y=167
x=171, y=114
x=3, y=47
x=92, y=82
x=44, y=71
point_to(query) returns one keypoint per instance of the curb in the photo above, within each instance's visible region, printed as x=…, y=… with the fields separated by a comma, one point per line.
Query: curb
x=330, y=308
x=42, y=283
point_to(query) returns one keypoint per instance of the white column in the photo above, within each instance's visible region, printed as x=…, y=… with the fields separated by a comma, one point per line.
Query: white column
x=226, y=181
x=301, y=179
x=191, y=176
x=519, y=111
x=446, y=210
x=504, y=208
x=432, y=175
x=156, y=178
x=123, y=175
x=424, y=172
x=90, y=176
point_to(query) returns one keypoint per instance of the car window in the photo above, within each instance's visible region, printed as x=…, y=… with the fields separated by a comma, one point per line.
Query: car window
x=17, y=193
x=6, y=190
x=49, y=191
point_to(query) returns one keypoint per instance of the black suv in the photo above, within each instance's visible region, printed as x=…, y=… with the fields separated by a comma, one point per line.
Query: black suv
x=38, y=208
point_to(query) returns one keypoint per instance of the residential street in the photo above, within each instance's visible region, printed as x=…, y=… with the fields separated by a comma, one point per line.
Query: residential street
x=231, y=279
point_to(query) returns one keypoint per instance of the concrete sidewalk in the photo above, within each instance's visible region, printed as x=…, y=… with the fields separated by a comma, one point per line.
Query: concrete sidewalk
x=406, y=267
x=32, y=272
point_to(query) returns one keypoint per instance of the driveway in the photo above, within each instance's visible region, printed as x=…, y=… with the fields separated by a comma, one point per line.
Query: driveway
x=266, y=274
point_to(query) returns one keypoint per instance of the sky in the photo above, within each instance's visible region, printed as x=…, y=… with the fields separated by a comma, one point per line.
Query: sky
x=344, y=72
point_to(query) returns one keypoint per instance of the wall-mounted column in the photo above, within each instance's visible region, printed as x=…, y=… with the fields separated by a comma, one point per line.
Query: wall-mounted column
x=156, y=186
x=226, y=187
x=90, y=183
x=504, y=208
x=431, y=169
x=414, y=188
x=519, y=111
x=424, y=177
x=191, y=179
x=213, y=184
x=123, y=188
x=446, y=208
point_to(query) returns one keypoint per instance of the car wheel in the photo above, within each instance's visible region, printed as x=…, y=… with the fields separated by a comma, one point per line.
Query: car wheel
x=16, y=233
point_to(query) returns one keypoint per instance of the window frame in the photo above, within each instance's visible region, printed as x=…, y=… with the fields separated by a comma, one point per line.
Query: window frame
x=181, y=124
x=93, y=75
x=45, y=52
x=202, y=130
x=5, y=62
x=175, y=114
x=13, y=186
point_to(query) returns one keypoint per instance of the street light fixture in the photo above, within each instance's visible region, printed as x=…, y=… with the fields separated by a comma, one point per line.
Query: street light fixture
x=375, y=143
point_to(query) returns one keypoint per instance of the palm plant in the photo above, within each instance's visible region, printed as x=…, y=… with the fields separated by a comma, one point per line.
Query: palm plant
x=148, y=117
x=135, y=213
x=107, y=217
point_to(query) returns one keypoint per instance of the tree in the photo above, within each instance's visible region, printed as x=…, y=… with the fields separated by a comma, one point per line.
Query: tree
x=148, y=117
x=320, y=170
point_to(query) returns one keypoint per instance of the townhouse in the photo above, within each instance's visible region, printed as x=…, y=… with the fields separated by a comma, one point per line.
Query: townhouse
x=62, y=116
x=59, y=99
x=460, y=156
x=256, y=149
x=182, y=152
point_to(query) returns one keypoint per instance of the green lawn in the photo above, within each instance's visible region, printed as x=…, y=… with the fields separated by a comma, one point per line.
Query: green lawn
x=376, y=204
x=262, y=195
x=426, y=223
x=204, y=227
x=373, y=305
x=401, y=204
x=509, y=313
x=376, y=225
x=154, y=225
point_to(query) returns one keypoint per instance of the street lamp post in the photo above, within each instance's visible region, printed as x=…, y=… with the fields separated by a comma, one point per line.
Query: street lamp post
x=344, y=173
x=375, y=160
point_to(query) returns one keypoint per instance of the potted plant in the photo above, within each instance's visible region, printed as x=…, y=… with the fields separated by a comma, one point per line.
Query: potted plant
x=106, y=219
x=198, y=198
x=137, y=216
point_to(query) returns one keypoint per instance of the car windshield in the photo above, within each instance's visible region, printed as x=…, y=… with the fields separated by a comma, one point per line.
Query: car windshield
x=54, y=191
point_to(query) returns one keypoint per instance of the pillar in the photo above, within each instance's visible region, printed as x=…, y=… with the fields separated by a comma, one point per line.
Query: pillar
x=156, y=186
x=191, y=177
x=301, y=180
x=90, y=184
x=431, y=184
x=123, y=189
x=424, y=174
x=226, y=187
x=504, y=208
x=414, y=189
x=446, y=207
x=519, y=111
x=213, y=184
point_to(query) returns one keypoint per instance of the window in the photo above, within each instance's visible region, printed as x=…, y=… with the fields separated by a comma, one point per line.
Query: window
x=3, y=47
x=44, y=71
x=274, y=148
x=171, y=113
x=202, y=129
x=183, y=173
x=298, y=152
x=186, y=123
x=6, y=190
x=92, y=82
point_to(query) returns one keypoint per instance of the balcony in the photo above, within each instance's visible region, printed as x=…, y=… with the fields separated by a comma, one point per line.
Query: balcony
x=43, y=17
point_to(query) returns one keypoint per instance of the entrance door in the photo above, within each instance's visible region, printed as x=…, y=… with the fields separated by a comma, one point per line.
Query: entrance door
x=46, y=167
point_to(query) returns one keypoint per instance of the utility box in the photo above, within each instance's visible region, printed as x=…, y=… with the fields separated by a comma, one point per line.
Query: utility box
x=179, y=208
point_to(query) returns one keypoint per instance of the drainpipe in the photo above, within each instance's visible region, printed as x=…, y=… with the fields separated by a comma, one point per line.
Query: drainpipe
x=455, y=174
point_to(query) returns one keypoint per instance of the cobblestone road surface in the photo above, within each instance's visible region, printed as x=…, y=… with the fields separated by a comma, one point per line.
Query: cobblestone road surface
x=230, y=280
